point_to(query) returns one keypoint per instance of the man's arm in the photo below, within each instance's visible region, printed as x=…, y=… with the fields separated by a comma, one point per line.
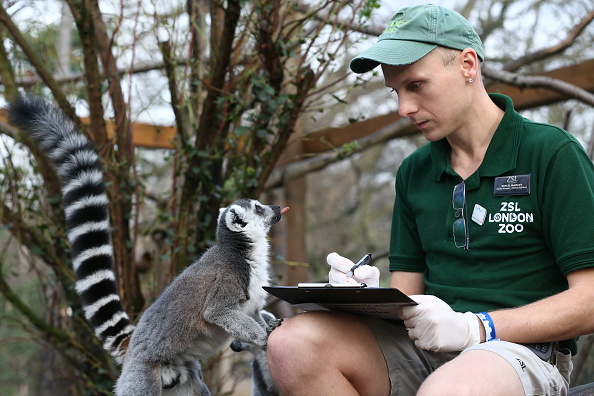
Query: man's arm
x=410, y=283
x=565, y=315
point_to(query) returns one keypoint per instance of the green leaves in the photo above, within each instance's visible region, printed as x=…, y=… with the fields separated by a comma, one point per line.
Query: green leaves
x=367, y=9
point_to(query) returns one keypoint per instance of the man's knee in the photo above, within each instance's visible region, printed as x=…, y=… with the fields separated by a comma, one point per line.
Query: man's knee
x=302, y=339
x=292, y=351
x=279, y=341
x=291, y=341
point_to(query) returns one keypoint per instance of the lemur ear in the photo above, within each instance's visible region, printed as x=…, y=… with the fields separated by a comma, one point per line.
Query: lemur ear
x=221, y=211
x=237, y=218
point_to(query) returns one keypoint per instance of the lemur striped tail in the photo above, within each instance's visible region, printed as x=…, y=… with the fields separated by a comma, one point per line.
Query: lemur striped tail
x=87, y=215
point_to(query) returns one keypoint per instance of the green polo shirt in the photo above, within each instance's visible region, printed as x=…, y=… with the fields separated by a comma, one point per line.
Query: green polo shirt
x=528, y=241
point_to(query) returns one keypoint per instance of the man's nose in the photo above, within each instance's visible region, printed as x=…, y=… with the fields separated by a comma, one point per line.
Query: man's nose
x=406, y=106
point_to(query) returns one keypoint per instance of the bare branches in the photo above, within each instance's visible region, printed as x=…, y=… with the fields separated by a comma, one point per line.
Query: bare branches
x=322, y=17
x=180, y=116
x=104, y=44
x=49, y=332
x=92, y=74
x=6, y=70
x=556, y=49
x=39, y=65
x=281, y=176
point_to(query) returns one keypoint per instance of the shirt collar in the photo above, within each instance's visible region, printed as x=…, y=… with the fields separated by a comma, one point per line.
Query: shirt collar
x=502, y=153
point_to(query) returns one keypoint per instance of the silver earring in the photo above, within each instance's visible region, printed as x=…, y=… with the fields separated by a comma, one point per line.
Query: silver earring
x=470, y=80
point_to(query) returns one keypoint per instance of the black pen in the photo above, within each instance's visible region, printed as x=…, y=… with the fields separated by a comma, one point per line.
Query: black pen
x=365, y=260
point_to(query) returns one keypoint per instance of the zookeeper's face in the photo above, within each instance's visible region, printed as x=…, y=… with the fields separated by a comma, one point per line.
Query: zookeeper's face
x=435, y=97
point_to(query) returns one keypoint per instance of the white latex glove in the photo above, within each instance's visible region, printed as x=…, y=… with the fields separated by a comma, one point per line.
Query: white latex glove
x=339, y=266
x=434, y=326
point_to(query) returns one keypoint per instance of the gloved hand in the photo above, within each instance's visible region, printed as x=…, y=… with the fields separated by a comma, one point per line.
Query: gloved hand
x=434, y=326
x=339, y=266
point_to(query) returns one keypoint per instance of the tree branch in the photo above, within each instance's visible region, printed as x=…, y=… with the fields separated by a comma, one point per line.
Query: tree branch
x=181, y=119
x=39, y=66
x=50, y=178
x=281, y=176
x=523, y=81
x=6, y=70
x=92, y=76
x=27, y=237
x=323, y=17
x=103, y=41
x=556, y=49
x=51, y=333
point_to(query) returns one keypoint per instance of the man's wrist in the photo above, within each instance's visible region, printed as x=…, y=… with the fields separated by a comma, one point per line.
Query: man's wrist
x=488, y=327
x=474, y=329
x=482, y=336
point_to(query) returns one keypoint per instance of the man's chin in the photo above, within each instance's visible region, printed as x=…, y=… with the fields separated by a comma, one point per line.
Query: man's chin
x=432, y=136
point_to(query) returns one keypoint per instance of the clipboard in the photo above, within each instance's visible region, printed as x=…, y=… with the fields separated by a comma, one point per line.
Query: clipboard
x=379, y=302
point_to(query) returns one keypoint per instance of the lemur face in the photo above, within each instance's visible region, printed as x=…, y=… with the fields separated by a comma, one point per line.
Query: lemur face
x=250, y=216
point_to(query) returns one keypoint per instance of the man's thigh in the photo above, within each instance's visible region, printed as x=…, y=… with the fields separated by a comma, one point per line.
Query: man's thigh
x=506, y=368
x=476, y=372
x=408, y=366
x=500, y=368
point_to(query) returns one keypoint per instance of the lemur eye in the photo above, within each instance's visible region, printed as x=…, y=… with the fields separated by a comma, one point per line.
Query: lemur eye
x=259, y=209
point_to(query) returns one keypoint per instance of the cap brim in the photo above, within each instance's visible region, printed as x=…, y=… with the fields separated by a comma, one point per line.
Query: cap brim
x=390, y=52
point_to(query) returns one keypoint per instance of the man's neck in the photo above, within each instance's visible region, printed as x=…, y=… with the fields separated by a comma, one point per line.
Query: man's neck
x=470, y=143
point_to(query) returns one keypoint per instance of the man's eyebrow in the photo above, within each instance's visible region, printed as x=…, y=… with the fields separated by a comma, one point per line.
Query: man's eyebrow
x=402, y=83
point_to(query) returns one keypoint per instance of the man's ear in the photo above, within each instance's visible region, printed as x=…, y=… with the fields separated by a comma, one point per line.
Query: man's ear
x=470, y=63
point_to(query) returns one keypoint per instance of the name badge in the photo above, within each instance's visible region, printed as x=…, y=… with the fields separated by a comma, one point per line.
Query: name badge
x=512, y=185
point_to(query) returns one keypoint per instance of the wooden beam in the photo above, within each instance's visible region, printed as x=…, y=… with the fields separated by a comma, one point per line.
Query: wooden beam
x=147, y=135
x=330, y=138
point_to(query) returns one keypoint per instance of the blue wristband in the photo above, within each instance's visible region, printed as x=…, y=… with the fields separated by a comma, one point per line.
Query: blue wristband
x=488, y=325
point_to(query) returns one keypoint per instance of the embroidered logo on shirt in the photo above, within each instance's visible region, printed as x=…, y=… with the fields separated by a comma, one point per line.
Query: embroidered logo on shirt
x=510, y=218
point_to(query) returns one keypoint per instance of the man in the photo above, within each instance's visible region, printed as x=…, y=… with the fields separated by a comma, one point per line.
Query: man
x=492, y=235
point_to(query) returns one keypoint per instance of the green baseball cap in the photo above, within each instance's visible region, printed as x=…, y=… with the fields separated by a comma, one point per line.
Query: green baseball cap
x=413, y=32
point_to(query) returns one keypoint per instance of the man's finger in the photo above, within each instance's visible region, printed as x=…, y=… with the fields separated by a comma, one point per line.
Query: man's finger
x=366, y=272
x=339, y=263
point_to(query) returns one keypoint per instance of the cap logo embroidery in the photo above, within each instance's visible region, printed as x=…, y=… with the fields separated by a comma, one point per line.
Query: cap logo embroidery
x=394, y=24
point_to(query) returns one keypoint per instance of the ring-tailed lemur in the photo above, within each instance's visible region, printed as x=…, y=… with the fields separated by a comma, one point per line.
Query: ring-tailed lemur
x=262, y=382
x=219, y=295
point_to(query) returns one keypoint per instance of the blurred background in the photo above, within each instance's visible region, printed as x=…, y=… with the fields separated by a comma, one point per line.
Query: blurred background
x=194, y=103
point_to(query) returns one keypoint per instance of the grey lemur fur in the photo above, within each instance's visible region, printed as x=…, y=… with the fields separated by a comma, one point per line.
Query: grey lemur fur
x=262, y=382
x=219, y=295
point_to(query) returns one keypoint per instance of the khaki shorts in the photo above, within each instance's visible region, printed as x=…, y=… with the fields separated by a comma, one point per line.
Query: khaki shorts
x=408, y=365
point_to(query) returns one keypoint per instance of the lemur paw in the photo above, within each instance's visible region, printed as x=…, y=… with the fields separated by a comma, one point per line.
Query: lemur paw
x=273, y=324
